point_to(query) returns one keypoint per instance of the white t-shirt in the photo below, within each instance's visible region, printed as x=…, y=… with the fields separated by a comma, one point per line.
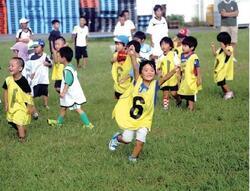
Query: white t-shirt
x=125, y=29
x=24, y=35
x=158, y=29
x=81, y=35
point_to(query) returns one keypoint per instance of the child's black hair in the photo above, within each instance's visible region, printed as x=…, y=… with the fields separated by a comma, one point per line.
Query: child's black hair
x=86, y=19
x=141, y=35
x=20, y=61
x=156, y=7
x=124, y=11
x=167, y=40
x=67, y=53
x=190, y=41
x=136, y=44
x=61, y=38
x=55, y=21
x=145, y=62
x=224, y=37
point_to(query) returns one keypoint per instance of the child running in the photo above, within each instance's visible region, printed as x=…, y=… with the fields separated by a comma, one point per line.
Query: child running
x=18, y=101
x=224, y=63
x=134, y=110
x=71, y=93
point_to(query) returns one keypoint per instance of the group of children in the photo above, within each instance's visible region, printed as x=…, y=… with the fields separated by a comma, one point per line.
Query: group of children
x=136, y=72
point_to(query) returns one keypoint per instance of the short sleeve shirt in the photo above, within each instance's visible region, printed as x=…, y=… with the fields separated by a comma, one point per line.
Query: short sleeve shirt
x=230, y=6
x=81, y=35
x=24, y=35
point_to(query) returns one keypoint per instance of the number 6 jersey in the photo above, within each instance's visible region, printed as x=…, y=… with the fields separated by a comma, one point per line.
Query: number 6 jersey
x=135, y=108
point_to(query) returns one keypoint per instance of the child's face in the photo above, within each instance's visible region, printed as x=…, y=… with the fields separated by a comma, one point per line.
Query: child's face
x=148, y=73
x=59, y=44
x=61, y=59
x=122, y=20
x=126, y=15
x=186, y=48
x=56, y=26
x=24, y=25
x=119, y=46
x=158, y=13
x=82, y=22
x=38, y=49
x=165, y=47
x=14, y=67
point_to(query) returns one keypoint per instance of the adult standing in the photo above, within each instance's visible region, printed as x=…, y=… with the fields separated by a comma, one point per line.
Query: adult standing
x=25, y=33
x=229, y=12
x=157, y=29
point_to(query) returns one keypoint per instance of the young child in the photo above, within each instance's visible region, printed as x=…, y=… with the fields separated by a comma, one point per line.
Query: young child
x=166, y=63
x=145, y=51
x=224, y=63
x=157, y=28
x=57, y=70
x=40, y=63
x=190, y=72
x=135, y=108
x=184, y=32
x=54, y=34
x=17, y=98
x=71, y=94
x=121, y=66
x=79, y=35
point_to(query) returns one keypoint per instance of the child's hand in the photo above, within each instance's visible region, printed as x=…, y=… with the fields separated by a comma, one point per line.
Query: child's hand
x=131, y=51
x=198, y=82
x=121, y=81
x=62, y=94
x=177, y=68
x=212, y=45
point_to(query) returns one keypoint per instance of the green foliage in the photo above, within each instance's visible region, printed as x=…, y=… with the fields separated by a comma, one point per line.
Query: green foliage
x=174, y=17
x=204, y=150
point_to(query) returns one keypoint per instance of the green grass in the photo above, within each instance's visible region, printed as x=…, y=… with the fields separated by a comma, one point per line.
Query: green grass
x=204, y=150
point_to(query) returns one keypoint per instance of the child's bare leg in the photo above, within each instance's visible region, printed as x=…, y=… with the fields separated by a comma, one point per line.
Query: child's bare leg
x=120, y=140
x=190, y=105
x=85, y=61
x=165, y=101
x=225, y=88
x=137, y=149
x=21, y=132
x=176, y=97
x=45, y=100
x=78, y=63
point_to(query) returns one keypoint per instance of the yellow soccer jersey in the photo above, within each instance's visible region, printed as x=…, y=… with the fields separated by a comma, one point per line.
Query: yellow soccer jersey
x=188, y=85
x=135, y=108
x=57, y=71
x=17, y=100
x=166, y=64
x=177, y=49
x=121, y=74
x=223, y=66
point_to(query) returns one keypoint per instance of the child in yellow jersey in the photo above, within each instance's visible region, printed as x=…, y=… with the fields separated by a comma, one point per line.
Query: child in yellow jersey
x=57, y=70
x=165, y=64
x=135, y=108
x=18, y=101
x=190, y=72
x=184, y=32
x=224, y=63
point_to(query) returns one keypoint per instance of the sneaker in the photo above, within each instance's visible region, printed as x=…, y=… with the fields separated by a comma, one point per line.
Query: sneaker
x=53, y=123
x=35, y=116
x=46, y=107
x=165, y=104
x=90, y=126
x=132, y=159
x=229, y=95
x=113, y=143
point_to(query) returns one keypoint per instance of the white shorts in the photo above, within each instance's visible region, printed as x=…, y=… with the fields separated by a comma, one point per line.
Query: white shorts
x=75, y=106
x=141, y=134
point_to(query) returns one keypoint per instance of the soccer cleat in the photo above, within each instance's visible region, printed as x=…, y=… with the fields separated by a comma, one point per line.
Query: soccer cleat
x=53, y=123
x=132, y=159
x=46, y=107
x=90, y=126
x=35, y=116
x=165, y=104
x=229, y=95
x=113, y=143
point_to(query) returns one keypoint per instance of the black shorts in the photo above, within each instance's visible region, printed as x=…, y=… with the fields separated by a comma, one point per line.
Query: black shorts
x=170, y=88
x=221, y=83
x=58, y=84
x=189, y=97
x=81, y=52
x=40, y=90
x=117, y=95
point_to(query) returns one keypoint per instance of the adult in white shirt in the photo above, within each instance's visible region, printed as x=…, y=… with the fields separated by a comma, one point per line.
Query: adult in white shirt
x=124, y=26
x=80, y=34
x=157, y=29
x=25, y=33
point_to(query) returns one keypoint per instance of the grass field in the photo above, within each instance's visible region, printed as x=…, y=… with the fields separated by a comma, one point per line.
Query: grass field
x=202, y=150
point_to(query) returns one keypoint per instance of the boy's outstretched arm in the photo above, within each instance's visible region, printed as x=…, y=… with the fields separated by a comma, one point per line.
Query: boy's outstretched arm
x=168, y=75
x=132, y=54
x=198, y=71
x=5, y=97
x=213, y=48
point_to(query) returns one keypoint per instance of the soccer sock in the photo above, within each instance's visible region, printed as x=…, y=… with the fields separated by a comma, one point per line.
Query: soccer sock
x=84, y=118
x=60, y=120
